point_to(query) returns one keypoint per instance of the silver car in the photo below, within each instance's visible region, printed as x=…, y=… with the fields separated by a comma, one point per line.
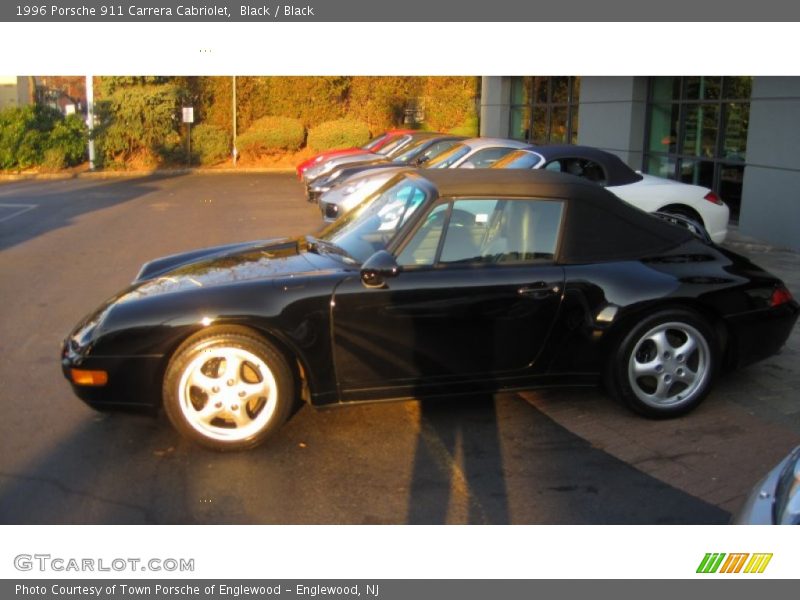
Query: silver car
x=775, y=500
x=337, y=161
x=469, y=154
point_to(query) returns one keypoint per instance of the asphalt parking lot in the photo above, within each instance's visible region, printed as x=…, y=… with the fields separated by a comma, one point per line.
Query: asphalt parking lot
x=544, y=457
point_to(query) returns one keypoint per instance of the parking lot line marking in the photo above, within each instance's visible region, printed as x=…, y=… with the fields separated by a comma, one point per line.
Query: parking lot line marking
x=23, y=208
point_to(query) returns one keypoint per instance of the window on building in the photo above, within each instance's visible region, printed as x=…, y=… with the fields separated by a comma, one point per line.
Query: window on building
x=545, y=109
x=697, y=132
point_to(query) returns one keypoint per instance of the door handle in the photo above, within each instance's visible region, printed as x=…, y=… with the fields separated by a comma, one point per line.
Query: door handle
x=540, y=289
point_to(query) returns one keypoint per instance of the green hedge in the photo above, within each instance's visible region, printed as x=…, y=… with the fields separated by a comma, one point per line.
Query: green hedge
x=342, y=133
x=469, y=128
x=271, y=134
x=210, y=144
x=138, y=121
x=40, y=136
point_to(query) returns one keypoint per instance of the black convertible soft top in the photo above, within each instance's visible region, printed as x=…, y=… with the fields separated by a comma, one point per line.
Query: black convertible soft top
x=616, y=171
x=598, y=227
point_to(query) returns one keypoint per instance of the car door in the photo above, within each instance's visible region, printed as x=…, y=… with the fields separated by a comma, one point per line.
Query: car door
x=475, y=300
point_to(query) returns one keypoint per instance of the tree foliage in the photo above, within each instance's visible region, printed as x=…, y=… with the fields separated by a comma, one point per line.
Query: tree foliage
x=138, y=117
x=37, y=135
x=449, y=102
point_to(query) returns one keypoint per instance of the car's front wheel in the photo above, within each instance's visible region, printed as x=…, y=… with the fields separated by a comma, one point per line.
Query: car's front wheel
x=228, y=390
x=665, y=365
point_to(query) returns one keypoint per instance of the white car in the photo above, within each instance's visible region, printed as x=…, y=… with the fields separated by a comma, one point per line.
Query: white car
x=468, y=154
x=651, y=194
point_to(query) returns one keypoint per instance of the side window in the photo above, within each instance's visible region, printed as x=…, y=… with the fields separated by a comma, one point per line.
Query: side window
x=580, y=167
x=483, y=159
x=421, y=249
x=502, y=231
x=553, y=166
x=487, y=231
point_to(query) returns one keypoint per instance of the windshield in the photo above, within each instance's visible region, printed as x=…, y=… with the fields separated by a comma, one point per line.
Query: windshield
x=394, y=145
x=370, y=145
x=410, y=152
x=369, y=226
x=519, y=159
x=446, y=159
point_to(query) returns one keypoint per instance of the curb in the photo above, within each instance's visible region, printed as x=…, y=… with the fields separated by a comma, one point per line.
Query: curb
x=142, y=173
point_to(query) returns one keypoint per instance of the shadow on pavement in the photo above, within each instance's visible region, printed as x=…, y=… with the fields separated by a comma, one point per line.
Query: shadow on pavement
x=61, y=202
x=532, y=470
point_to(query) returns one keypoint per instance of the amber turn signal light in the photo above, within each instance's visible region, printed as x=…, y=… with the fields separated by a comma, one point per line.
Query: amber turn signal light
x=83, y=377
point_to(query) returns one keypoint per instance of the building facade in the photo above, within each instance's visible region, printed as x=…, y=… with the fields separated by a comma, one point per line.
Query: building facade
x=739, y=136
x=15, y=91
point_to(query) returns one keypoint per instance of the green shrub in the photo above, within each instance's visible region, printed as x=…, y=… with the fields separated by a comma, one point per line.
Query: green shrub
x=172, y=149
x=138, y=120
x=69, y=137
x=271, y=134
x=469, y=128
x=342, y=133
x=33, y=135
x=54, y=159
x=210, y=144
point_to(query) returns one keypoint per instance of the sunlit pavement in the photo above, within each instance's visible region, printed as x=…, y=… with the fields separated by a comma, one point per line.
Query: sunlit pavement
x=718, y=452
x=555, y=457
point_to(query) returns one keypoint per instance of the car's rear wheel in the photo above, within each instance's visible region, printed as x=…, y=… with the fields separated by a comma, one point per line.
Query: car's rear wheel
x=228, y=391
x=665, y=365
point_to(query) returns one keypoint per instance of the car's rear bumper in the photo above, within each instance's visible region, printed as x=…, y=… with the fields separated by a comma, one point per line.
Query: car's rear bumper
x=715, y=221
x=760, y=334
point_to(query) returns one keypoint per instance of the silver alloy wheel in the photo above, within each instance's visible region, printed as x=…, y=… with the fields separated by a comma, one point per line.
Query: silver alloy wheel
x=669, y=365
x=227, y=393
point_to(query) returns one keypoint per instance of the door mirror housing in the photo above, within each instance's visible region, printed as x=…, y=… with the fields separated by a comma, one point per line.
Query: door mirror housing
x=378, y=268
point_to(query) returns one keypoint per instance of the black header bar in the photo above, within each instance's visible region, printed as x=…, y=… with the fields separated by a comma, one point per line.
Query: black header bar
x=405, y=11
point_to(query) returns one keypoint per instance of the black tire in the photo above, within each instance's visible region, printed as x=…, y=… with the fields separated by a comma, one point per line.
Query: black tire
x=655, y=370
x=228, y=390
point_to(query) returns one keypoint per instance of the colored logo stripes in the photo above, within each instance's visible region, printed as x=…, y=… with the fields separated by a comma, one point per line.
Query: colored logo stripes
x=734, y=563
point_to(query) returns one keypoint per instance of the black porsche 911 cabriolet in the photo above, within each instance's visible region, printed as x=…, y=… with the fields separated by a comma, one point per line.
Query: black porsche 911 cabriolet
x=443, y=283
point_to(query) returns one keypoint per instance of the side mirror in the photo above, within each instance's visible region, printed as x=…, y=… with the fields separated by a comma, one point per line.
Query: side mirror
x=421, y=160
x=377, y=268
x=468, y=165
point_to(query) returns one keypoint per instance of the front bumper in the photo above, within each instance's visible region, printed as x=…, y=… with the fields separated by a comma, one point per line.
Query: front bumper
x=133, y=381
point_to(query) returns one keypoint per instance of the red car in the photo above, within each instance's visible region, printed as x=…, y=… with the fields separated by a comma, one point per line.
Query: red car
x=373, y=145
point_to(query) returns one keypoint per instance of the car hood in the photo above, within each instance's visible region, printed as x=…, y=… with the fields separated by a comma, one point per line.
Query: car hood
x=222, y=265
x=250, y=262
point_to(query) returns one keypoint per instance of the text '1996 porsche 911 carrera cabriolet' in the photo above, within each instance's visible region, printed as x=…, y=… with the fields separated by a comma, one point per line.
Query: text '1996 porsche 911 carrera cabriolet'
x=447, y=283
